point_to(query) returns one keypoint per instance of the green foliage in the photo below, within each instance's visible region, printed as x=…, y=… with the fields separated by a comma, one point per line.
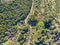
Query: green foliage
x=7, y=43
x=25, y=32
x=11, y=13
x=46, y=15
x=40, y=25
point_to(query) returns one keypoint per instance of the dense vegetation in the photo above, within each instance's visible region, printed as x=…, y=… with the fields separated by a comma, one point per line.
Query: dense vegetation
x=11, y=14
x=43, y=27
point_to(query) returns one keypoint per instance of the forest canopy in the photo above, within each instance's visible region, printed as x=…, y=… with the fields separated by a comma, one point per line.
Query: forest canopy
x=29, y=22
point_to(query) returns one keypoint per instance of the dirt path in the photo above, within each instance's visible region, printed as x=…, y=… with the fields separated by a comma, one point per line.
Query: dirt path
x=31, y=12
x=26, y=22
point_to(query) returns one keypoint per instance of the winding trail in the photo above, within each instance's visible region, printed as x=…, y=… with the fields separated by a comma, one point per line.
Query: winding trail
x=31, y=12
x=26, y=22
